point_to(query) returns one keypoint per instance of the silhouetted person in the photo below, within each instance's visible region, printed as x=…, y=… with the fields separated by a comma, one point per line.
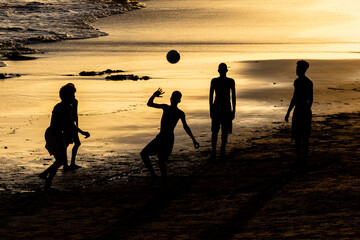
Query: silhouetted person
x=301, y=121
x=60, y=133
x=222, y=110
x=75, y=134
x=163, y=143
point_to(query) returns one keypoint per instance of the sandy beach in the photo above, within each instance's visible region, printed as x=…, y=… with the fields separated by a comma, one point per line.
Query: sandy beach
x=253, y=194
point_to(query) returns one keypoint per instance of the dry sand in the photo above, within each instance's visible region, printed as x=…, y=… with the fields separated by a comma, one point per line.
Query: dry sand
x=253, y=194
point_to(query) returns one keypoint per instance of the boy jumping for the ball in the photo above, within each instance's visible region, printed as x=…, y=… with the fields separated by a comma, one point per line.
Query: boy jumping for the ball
x=163, y=143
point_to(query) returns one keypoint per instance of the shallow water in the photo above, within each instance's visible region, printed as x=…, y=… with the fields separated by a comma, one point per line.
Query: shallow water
x=26, y=21
x=205, y=33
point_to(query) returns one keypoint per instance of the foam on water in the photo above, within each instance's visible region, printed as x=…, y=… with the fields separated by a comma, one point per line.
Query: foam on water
x=26, y=21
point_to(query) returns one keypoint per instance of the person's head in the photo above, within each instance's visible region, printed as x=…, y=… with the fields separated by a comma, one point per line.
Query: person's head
x=222, y=68
x=301, y=67
x=175, y=97
x=71, y=85
x=67, y=92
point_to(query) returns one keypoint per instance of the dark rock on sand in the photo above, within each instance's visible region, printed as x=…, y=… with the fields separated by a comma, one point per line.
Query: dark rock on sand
x=11, y=46
x=121, y=77
x=90, y=73
x=94, y=73
x=10, y=75
x=118, y=77
x=17, y=56
x=108, y=71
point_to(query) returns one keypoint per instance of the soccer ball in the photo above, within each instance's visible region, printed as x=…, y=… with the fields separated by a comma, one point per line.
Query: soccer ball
x=173, y=56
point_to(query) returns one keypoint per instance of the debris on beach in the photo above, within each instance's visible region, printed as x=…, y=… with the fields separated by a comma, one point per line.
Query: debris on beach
x=42, y=39
x=8, y=75
x=121, y=77
x=117, y=77
x=9, y=48
x=94, y=73
x=17, y=56
x=16, y=51
x=124, y=3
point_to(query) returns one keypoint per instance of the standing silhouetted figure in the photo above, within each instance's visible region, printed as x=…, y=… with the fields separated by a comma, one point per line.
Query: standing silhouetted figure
x=301, y=121
x=163, y=143
x=60, y=134
x=75, y=134
x=222, y=110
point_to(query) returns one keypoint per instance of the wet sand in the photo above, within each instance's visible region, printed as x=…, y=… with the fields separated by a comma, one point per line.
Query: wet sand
x=254, y=194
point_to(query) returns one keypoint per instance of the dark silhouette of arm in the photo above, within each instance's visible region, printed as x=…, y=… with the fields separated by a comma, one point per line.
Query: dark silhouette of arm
x=311, y=97
x=233, y=98
x=75, y=114
x=188, y=131
x=86, y=134
x=151, y=103
x=61, y=117
x=292, y=105
x=211, y=99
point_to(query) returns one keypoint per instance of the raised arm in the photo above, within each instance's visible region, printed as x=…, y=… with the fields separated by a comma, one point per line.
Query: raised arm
x=151, y=103
x=188, y=131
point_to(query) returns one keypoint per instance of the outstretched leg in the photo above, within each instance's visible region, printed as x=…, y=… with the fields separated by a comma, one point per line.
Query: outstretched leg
x=49, y=174
x=145, y=157
x=162, y=165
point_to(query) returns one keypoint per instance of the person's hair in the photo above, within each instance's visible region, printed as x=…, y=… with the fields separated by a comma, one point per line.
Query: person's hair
x=222, y=67
x=303, y=65
x=66, y=91
x=176, y=95
x=71, y=85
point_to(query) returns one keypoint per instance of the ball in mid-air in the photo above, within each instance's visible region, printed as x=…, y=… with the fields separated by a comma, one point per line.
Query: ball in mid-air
x=173, y=56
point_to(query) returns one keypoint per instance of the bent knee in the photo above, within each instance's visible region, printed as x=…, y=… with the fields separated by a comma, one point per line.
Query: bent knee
x=143, y=153
x=77, y=144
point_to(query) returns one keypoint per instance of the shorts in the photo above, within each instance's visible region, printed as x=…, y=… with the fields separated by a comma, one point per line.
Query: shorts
x=301, y=123
x=222, y=120
x=55, y=142
x=162, y=146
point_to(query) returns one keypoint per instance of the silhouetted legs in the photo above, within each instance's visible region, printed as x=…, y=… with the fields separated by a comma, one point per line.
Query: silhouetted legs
x=162, y=165
x=214, y=137
x=145, y=153
x=49, y=174
x=145, y=157
x=77, y=144
x=302, y=150
x=224, y=136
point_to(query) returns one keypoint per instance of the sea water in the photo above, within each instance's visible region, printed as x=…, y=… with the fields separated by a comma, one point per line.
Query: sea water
x=50, y=20
x=238, y=32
